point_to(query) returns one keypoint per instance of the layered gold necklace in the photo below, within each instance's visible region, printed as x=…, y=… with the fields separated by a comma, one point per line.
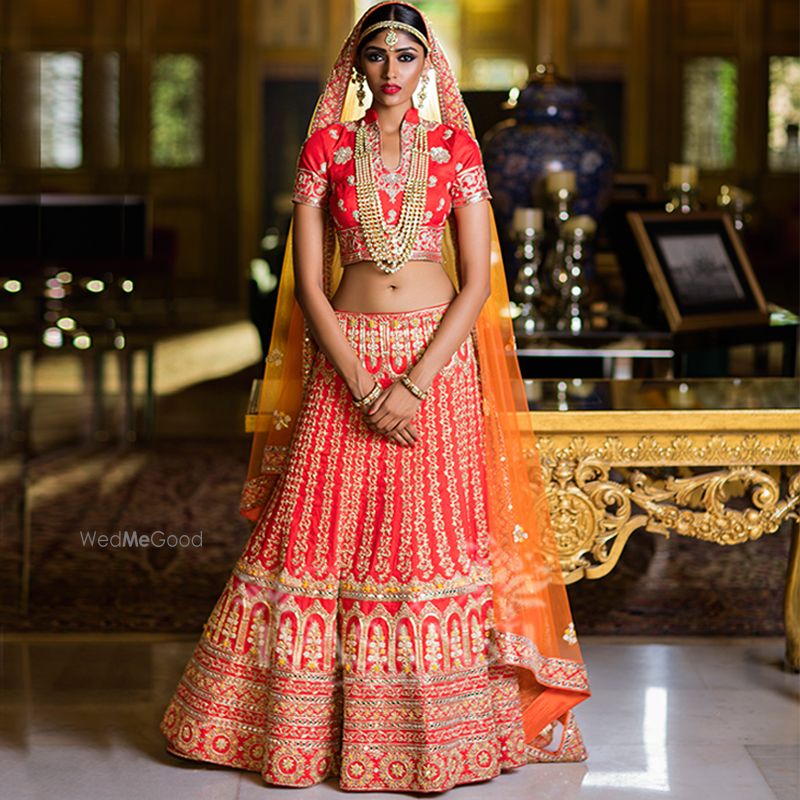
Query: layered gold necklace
x=390, y=246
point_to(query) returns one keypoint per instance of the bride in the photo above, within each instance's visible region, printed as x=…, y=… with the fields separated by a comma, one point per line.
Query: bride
x=398, y=616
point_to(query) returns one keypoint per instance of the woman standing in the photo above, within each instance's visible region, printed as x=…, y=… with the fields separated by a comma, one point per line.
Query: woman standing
x=398, y=616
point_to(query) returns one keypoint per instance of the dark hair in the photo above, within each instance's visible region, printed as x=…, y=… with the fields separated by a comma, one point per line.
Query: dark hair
x=397, y=12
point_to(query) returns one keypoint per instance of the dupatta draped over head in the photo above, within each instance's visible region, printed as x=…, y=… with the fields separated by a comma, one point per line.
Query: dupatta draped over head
x=533, y=627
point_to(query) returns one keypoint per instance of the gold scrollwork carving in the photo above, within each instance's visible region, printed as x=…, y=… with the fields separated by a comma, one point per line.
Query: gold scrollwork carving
x=677, y=448
x=594, y=515
x=716, y=522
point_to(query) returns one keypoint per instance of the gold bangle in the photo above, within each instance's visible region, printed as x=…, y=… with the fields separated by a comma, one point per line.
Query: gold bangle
x=413, y=388
x=369, y=397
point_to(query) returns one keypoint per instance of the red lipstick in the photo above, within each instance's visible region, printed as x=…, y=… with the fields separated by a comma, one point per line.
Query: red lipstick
x=390, y=88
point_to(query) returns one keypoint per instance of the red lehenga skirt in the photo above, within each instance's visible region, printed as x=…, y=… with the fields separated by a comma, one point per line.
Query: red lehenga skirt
x=353, y=636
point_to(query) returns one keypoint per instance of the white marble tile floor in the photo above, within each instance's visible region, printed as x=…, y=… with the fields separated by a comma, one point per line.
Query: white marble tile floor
x=669, y=719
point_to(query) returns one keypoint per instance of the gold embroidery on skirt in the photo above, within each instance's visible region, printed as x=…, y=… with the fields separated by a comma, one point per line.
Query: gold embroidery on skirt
x=355, y=634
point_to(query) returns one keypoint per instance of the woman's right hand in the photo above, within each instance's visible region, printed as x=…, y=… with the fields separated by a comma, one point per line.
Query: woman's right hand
x=391, y=414
x=405, y=434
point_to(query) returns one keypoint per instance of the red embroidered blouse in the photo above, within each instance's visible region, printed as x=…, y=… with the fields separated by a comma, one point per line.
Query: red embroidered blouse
x=326, y=176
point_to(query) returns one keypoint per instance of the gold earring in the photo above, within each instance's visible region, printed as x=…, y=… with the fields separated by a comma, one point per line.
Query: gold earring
x=358, y=78
x=424, y=81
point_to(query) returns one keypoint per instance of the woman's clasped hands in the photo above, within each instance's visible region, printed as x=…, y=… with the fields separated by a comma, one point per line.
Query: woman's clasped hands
x=391, y=414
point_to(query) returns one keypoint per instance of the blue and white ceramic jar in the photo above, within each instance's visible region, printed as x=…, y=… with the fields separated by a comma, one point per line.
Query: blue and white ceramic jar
x=547, y=133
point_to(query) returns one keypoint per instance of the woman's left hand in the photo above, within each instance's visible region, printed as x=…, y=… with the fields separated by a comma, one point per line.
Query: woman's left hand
x=391, y=414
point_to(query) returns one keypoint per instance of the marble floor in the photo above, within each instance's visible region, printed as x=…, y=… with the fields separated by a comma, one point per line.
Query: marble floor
x=695, y=719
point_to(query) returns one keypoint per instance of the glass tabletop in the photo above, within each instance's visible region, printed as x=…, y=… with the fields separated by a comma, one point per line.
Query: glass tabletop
x=614, y=324
x=582, y=394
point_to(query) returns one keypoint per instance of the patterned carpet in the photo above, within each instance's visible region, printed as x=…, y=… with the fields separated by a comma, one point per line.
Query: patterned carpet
x=674, y=586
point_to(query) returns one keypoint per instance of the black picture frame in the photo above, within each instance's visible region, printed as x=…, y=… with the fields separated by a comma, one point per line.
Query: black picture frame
x=699, y=269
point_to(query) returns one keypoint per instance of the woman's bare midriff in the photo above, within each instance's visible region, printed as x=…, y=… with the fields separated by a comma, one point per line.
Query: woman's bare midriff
x=417, y=284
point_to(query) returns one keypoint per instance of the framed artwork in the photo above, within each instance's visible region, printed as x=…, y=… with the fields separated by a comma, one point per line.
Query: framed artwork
x=699, y=269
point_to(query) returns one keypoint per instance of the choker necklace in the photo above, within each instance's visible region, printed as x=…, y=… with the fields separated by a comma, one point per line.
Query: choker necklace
x=390, y=246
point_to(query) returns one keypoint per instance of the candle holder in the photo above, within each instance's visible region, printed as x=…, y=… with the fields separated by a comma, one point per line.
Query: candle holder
x=561, y=193
x=567, y=272
x=562, y=202
x=527, y=290
x=737, y=202
x=681, y=188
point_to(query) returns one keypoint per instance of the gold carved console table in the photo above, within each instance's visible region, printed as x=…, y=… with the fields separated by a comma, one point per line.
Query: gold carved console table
x=668, y=456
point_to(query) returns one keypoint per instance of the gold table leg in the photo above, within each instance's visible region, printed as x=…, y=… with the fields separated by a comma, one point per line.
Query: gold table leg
x=791, y=602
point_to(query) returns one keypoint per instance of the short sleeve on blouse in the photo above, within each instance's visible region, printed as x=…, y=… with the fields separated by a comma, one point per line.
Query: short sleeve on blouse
x=470, y=185
x=311, y=178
